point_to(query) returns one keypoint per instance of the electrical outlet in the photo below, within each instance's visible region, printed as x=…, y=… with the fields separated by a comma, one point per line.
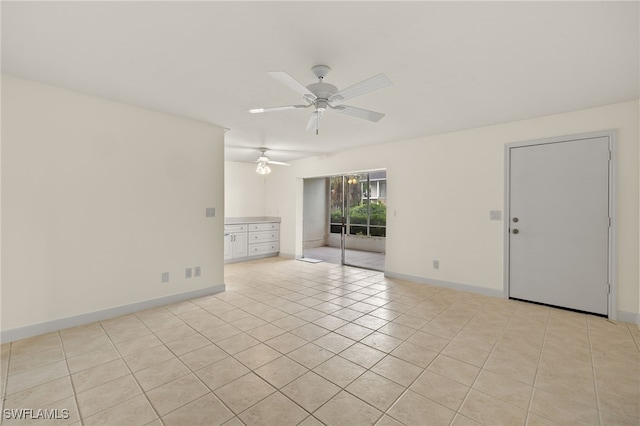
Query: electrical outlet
x=196, y=271
x=210, y=212
x=187, y=273
x=436, y=264
x=165, y=277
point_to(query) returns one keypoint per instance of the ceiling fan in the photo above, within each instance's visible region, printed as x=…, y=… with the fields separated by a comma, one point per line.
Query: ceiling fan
x=264, y=161
x=322, y=95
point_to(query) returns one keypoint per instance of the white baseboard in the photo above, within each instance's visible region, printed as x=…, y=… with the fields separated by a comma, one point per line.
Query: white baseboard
x=82, y=319
x=446, y=284
x=623, y=316
x=630, y=317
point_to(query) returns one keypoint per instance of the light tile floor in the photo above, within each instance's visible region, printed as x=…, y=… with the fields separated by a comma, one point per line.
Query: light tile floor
x=361, y=258
x=298, y=343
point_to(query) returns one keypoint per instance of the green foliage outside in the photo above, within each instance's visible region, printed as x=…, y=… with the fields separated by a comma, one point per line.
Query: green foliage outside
x=358, y=214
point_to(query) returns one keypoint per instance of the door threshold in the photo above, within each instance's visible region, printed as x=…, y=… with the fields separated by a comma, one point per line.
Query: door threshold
x=560, y=307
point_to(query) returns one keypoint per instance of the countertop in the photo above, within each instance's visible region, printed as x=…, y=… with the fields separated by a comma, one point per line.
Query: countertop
x=250, y=219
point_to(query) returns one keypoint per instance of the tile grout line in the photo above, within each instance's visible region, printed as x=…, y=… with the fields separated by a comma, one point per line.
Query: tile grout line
x=593, y=371
x=6, y=381
x=457, y=411
x=73, y=386
x=115, y=347
x=535, y=377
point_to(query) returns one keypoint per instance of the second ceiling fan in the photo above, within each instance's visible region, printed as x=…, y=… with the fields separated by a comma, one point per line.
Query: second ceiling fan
x=323, y=95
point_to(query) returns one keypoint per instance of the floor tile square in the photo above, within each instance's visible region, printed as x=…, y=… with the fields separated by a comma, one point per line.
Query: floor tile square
x=187, y=344
x=346, y=409
x=334, y=342
x=257, y=356
x=98, y=375
x=266, y=332
x=220, y=332
x=362, y=355
x=281, y=371
x=286, y=343
x=354, y=331
x=136, y=410
x=310, y=391
x=289, y=323
x=310, y=355
x=204, y=356
x=412, y=409
x=376, y=390
x=222, y=372
x=237, y=343
x=276, y=409
x=244, y=392
x=205, y=410
x=414, y=354
x=160, y=374
x=370, y=321
x=504, y=388
x=107, y=395
x=330, y=322
x=440, y=389
x=398, y=370
x=487, y=409
x=310, y=332
x=176, y=393
x=381, y=341
x=339, y=370
x=456, y=370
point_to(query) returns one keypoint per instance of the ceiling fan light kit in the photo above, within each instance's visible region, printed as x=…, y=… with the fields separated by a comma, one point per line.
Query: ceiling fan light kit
x=264, y=161
x=263, y=169
x=323, y=96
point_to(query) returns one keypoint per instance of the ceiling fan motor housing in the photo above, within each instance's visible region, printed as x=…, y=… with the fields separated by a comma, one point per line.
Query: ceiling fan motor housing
x=320, y=71
x=322, y=90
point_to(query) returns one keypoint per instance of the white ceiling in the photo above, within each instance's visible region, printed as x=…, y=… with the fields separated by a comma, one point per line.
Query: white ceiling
x=454, y=65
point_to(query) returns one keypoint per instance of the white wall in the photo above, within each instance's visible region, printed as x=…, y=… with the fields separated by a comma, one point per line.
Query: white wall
x=98, y=199
x=441, y=189
x=244, y=190
x=316, y=212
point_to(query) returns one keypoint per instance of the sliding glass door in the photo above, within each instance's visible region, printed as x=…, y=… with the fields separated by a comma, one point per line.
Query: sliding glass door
x=358, y=216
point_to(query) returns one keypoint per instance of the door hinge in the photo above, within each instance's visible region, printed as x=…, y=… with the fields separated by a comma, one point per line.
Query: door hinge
x=608, y=288
x=609, y=155
x=609, y=222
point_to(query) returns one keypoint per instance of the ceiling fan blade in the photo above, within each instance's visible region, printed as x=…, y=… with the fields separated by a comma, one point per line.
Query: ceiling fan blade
x=359, y=112
x=279, y=163
x=369, y=85
x=314, y=121
x=276, y=108
x=294, y=84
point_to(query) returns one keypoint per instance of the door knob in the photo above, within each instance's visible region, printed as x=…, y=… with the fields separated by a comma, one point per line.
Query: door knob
x=515, y=220
x=515, y=231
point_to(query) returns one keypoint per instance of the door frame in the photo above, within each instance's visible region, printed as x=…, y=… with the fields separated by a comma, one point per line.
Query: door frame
x=612, y=303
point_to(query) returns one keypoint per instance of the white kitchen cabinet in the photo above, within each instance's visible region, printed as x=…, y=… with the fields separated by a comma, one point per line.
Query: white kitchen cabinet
x=256, y=238
x=235, y=241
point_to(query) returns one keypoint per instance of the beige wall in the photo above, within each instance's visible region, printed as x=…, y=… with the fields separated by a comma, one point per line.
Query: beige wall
x=98, y=200
x=441, y=189
x=243, y=190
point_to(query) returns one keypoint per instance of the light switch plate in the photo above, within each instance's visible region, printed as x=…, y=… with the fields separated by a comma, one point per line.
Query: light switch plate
x=211, y=212
x=495, y=215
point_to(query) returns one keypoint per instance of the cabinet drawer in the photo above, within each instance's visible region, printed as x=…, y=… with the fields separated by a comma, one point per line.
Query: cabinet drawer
x=235, y=228
x=263, y=236
x=263, y=248
x=264, y=226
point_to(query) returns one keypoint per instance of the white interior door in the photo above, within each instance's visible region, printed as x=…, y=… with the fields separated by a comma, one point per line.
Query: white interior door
x=559, y=224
